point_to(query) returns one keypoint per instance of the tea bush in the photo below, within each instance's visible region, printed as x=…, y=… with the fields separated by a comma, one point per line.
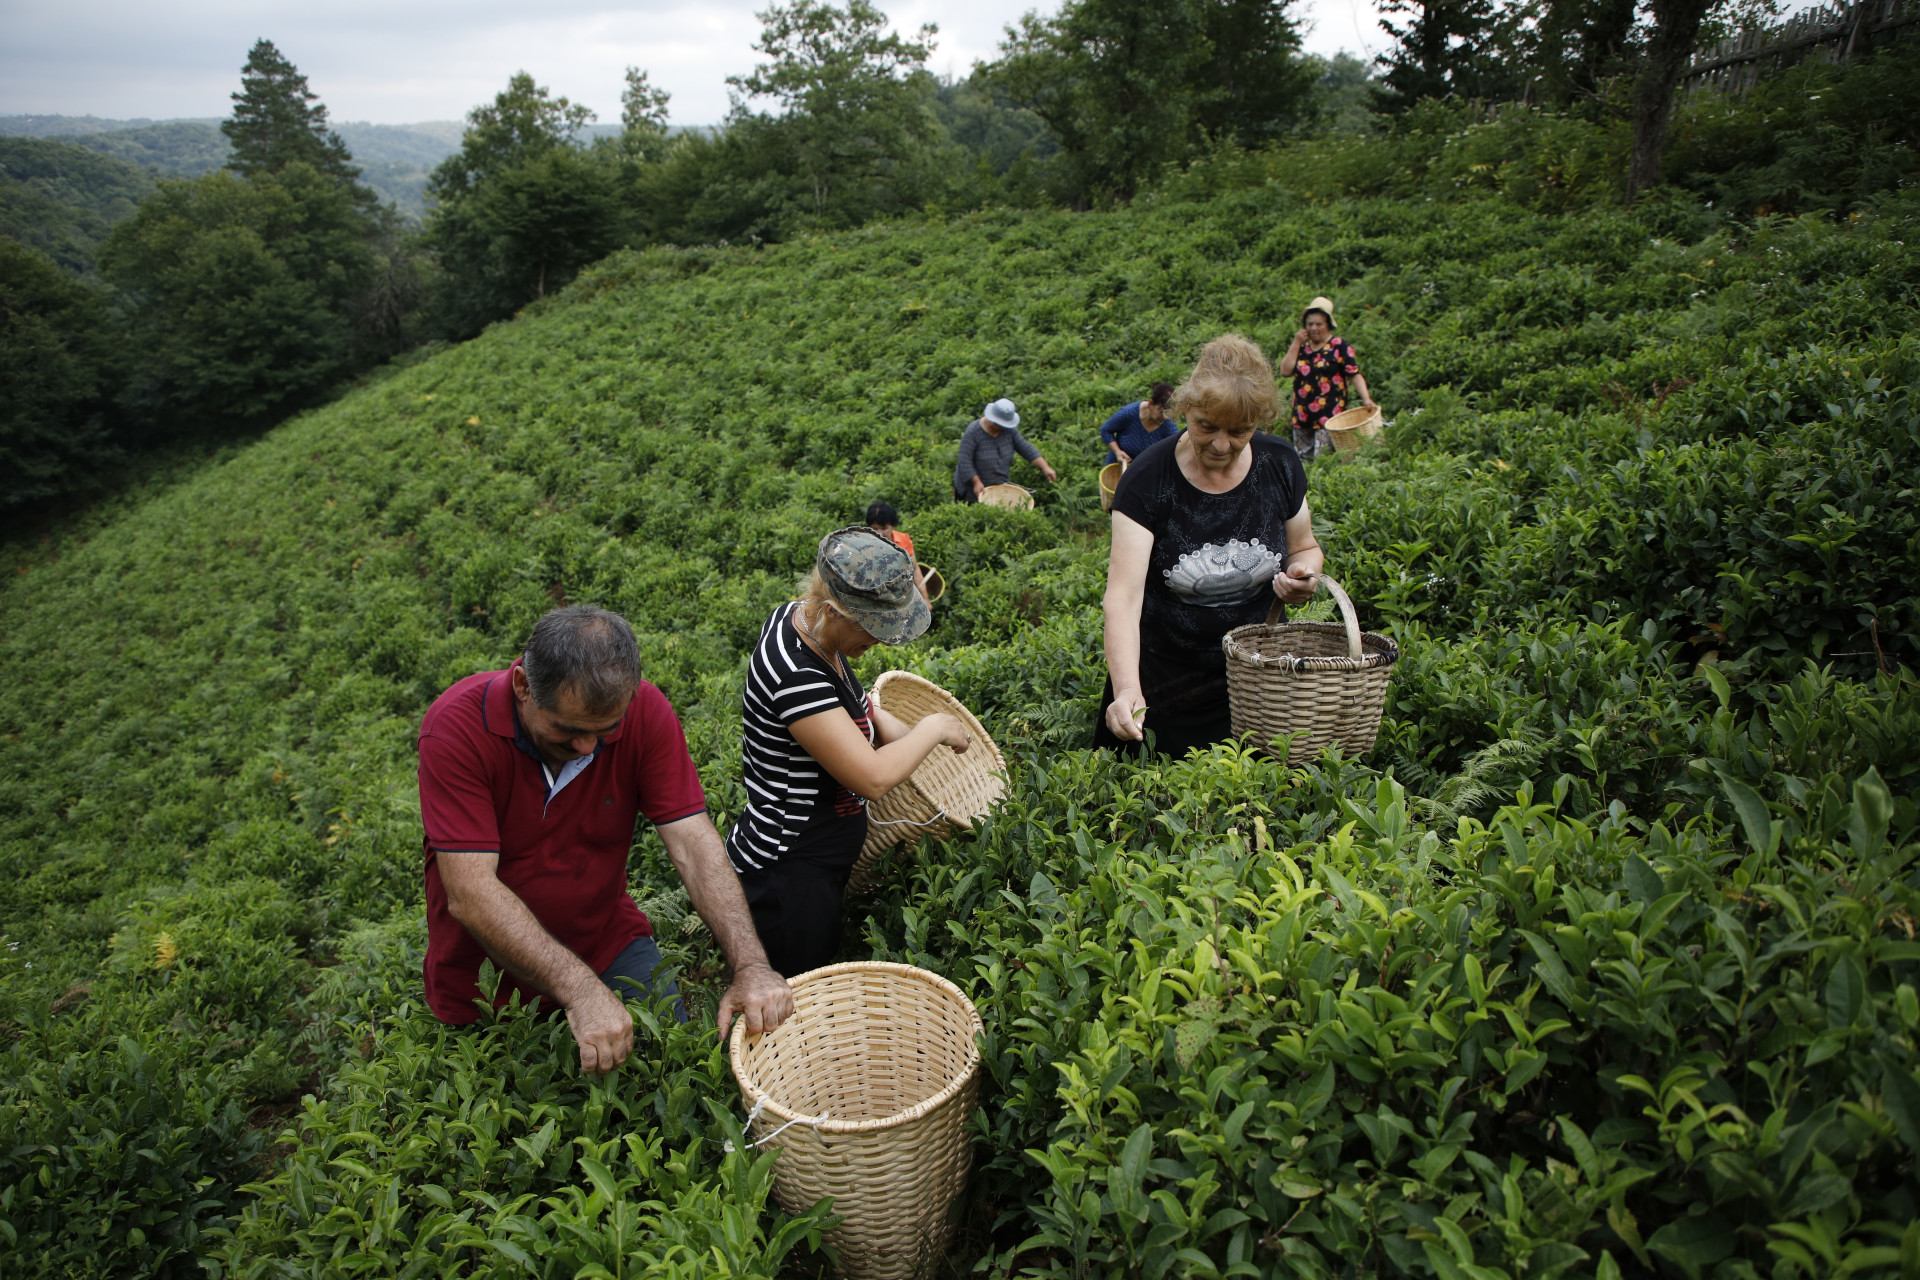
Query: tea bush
x=1304, y=1035
x=1601, y=961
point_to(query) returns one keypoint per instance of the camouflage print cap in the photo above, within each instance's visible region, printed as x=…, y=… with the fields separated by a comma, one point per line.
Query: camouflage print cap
x=871, y=579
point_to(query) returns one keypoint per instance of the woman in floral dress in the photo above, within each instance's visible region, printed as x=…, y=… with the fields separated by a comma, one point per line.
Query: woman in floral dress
x=1323, y=365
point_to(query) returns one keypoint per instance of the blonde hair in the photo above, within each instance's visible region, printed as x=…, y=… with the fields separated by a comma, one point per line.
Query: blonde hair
x=1231, y=384
x=815, y=601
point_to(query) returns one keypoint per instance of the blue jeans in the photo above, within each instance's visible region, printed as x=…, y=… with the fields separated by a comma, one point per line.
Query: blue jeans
x=630, y=976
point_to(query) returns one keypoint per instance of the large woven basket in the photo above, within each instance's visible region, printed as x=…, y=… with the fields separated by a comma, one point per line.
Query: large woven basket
x=1007, y=495
x=1327, y=680
x=1350, y=428
x=1110, y=483
x=936, y=584
x=888, y=1055
x=948, y=790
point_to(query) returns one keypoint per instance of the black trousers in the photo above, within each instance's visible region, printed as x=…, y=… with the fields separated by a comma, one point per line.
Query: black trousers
x=1187, y=706
x=1191, y=715
x=797, y=902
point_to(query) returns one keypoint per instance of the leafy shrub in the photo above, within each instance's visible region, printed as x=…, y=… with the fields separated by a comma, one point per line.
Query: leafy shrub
x=1263, y=1019
x=483, y=1144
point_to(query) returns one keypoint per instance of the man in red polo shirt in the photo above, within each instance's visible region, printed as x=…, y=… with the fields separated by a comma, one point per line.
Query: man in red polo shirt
x=531, y=780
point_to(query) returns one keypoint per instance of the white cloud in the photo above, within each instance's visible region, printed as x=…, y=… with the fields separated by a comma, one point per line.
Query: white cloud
x=410, y=60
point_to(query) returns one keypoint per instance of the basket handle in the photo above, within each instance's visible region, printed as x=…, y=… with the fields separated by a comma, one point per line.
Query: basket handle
x=1347, y=614
x=909, y=822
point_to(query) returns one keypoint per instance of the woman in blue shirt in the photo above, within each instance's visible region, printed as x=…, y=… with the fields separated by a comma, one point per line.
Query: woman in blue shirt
x=1136, y=428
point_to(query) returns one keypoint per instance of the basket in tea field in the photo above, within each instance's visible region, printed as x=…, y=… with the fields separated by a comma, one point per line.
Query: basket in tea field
x=1326, y=680
x=1011, y=496
x=865, y=1093
x=1110, y=483
x=949, y=789
x=1350, y=428
x=936, y=583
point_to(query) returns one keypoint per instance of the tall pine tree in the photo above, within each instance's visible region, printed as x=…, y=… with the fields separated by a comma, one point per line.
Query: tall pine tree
x=1448, y=49
x=1257, y=86
x=277, y=121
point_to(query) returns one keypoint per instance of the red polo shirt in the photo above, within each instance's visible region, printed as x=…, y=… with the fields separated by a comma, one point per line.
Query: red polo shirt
x=564, y=855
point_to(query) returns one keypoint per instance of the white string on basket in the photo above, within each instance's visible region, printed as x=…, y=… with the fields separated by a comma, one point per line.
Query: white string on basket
x=911, y=822
x=754, y=1114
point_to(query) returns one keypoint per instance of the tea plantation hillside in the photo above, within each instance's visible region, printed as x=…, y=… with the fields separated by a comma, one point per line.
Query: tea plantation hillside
x=1603, y=962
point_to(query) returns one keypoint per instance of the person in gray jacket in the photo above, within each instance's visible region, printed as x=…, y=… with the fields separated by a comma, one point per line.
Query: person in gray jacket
x=987, y=449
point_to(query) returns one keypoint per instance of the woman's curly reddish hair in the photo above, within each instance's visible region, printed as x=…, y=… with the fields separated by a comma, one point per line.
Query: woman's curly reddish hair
x=1231, y=385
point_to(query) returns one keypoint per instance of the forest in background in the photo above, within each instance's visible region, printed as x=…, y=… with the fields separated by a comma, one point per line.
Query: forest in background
x=395, y=159
x=151, y=313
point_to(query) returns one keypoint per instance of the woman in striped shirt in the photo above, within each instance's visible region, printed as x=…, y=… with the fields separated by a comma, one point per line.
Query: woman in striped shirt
x=814, y=748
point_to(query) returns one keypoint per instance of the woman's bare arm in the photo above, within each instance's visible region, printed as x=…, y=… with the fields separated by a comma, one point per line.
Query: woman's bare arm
x=1290, y=361
x=833, y=739
x=1126, y=589
x=890, y=727
x=1305, y=560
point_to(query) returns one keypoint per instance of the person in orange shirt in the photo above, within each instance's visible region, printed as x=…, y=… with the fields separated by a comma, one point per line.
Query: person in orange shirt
x=884, y=519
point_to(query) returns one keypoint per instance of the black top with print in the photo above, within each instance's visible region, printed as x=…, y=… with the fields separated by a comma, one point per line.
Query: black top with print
x=1215, y=555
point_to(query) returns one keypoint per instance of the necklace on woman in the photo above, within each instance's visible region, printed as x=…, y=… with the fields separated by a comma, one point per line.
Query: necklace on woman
x=833, y=658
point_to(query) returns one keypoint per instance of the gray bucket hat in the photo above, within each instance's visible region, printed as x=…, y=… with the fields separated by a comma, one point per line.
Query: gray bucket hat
x=1001, y=413
x=871, y=579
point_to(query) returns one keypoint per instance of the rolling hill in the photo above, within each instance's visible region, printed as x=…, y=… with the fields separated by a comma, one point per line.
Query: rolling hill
x=395, y=158
x=63, y=199
x=1603, y=956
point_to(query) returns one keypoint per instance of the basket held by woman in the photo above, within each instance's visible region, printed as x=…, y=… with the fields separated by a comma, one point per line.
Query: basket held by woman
x=944, y=792
x=865, y=1093
x=1350, y=428
x=1109, y=481
x=1325, y=680
x=936, y=584
x=1011, y=496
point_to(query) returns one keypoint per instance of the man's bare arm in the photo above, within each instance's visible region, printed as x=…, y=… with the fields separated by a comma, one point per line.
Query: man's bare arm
x=700, y=856
x=518, y=943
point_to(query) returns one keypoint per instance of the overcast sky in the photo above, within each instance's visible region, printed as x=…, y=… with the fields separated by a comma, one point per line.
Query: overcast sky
x=401, y=61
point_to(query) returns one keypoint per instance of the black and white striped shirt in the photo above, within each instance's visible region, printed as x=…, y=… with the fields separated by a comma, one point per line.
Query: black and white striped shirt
x=787, y=790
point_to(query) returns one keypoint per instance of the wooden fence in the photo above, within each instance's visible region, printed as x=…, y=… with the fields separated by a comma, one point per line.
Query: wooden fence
x=1828, y=33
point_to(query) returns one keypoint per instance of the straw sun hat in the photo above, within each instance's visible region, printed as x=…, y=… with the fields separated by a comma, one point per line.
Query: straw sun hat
x=1321, y=304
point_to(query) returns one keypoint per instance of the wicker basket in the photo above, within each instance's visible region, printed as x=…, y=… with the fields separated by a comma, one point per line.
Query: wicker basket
x=1007, y=495
x=1351, y=427
x=948, y=790
x=889, y=1055
x=1110, y=483
x=936, y=583
x=1327, y=680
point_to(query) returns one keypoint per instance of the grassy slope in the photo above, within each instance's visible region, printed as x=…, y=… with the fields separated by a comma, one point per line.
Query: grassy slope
x=206, y=728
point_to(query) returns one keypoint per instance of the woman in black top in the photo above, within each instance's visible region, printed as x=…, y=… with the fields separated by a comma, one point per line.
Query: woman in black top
x=815, y=749
x=1207, y=530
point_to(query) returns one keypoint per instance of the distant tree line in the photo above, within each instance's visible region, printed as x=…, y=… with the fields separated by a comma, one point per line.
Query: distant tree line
x=223, y=302
x=228, y=300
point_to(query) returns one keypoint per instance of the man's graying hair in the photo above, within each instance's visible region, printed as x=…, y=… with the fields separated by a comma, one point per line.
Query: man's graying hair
x=586, y=650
